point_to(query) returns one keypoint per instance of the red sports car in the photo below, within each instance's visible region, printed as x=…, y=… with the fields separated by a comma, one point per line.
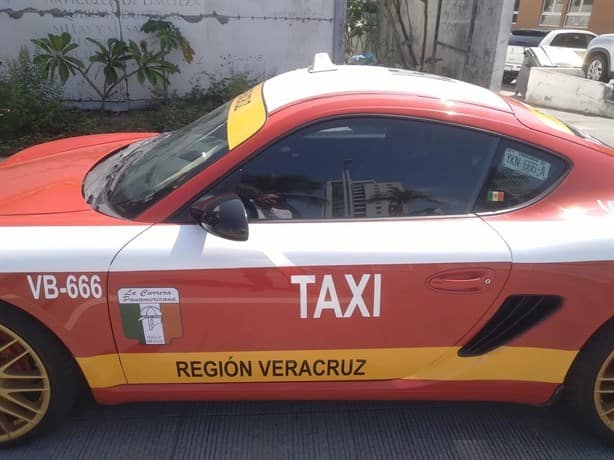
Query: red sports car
x=337, y=232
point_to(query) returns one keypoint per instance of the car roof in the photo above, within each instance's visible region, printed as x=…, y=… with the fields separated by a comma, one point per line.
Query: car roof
x=326, y=79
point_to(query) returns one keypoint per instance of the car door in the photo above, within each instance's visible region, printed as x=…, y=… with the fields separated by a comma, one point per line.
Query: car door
x=363, y=262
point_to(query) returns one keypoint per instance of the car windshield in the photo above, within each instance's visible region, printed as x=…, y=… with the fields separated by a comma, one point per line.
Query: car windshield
x=161, y=166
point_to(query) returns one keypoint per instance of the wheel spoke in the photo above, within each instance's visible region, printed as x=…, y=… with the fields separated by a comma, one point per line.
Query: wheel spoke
x=16, y=386
x=5, y=425
x=606, y=412
x=14, y=410
x=25, y=375
x=8, y=345
x=19, y=400
x=14, y=360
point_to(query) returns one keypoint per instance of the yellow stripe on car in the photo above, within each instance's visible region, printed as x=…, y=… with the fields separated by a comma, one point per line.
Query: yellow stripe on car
x=550, y=120
x=102, y=371
x=247, y=114
x=423, y=363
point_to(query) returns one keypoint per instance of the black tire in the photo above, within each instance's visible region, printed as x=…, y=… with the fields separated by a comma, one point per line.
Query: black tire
x=64, y=379
x=596, y=62
x=580, y=385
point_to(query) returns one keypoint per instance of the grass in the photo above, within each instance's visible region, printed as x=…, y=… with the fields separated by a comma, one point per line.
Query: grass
x=166, y=116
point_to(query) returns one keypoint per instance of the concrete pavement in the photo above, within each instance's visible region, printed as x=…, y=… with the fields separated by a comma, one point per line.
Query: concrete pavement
x=599, y=127
x=314, y=430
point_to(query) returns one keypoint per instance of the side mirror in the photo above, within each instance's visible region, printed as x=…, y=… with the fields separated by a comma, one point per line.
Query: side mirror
x=224, y=216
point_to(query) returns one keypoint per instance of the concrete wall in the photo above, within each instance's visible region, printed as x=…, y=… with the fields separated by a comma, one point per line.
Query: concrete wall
x=229, y=36
x=466, y=40
x=564, y=89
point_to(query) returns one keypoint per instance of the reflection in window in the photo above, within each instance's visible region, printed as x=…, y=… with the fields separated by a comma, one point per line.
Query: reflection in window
x=366, y=168
x=551, y=13
x=579, y=13
x=516, y=11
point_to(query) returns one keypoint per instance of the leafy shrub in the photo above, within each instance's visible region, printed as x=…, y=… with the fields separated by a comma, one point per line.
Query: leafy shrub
x=224, y=89
x=175, y=112
x=28, y=101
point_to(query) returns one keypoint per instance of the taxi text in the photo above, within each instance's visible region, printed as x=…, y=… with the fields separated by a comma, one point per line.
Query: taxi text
x=329, y=300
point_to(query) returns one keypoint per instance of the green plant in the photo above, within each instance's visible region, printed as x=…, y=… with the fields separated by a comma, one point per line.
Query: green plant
x=29, y=102
x=168, y=38
x=224, y=89
x=361, y=23
x=118, y=59
x=175, y=112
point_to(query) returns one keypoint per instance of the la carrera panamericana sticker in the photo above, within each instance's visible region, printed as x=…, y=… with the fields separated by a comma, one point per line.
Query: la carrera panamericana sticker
x=151, y=315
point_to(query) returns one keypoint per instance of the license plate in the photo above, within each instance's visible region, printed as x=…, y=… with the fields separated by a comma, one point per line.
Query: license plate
x=526, y=164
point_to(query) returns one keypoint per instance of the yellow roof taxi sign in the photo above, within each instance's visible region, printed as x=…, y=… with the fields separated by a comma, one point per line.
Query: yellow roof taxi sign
x=246, y=116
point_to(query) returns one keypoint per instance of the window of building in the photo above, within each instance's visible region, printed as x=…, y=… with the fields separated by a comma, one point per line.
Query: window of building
x=516, y=11
x=579, y=13
x=520, y=173
x=364, y=168
x=551, y=13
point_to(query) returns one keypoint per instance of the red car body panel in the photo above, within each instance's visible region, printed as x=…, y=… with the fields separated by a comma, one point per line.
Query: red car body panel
x=48, y=178
x=260, y=311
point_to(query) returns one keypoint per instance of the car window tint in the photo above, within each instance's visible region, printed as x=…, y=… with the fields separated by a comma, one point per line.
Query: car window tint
x=366, y=168
x=572, y=40
x=519, y=174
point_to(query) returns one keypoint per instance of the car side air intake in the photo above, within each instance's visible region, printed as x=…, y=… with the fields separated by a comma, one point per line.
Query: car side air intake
x=517, y=314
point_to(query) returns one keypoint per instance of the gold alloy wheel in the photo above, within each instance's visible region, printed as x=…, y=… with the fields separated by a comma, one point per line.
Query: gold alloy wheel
x=24, y=387
x=604, y=392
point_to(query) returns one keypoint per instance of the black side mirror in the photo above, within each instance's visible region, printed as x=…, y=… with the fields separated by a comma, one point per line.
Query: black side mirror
x=224, y=216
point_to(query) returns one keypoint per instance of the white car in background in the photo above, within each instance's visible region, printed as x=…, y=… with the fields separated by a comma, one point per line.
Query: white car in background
x=599, y=60
x=520, y=39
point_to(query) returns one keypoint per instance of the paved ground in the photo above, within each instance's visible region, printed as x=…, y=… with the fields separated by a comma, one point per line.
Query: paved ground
x=599, y=127
x=339, y=430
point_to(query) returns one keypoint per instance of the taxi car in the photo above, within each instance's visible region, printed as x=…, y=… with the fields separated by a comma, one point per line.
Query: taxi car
x=345, y=232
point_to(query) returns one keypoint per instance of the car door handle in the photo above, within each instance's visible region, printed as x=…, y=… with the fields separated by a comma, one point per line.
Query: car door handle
x=465, y=281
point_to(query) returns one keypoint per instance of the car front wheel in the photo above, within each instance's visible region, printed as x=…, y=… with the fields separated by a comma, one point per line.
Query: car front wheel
x=37, y=378
x=597, y=69
x=590, y=384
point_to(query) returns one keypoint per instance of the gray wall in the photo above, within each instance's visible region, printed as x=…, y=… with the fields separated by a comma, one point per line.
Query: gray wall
x=260, y=38
x=465, y=39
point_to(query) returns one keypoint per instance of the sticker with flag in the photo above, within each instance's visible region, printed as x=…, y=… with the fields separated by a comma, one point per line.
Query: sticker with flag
x=150, y=315
x=496, y=196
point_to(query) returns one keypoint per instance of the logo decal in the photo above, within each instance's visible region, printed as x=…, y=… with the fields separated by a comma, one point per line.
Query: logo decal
x=151, y=315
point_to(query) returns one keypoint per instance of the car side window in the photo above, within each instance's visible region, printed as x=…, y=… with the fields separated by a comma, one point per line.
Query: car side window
x=365, y=168
x=519, y=174
x=572, y=40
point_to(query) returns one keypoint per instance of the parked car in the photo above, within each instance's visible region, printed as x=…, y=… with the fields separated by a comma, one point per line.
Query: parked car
x=341, y=232
x=599, y=60
x=520, y=39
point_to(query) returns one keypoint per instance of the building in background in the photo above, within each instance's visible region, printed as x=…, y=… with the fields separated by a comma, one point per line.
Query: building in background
x=594, y=15
x=347, y=197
